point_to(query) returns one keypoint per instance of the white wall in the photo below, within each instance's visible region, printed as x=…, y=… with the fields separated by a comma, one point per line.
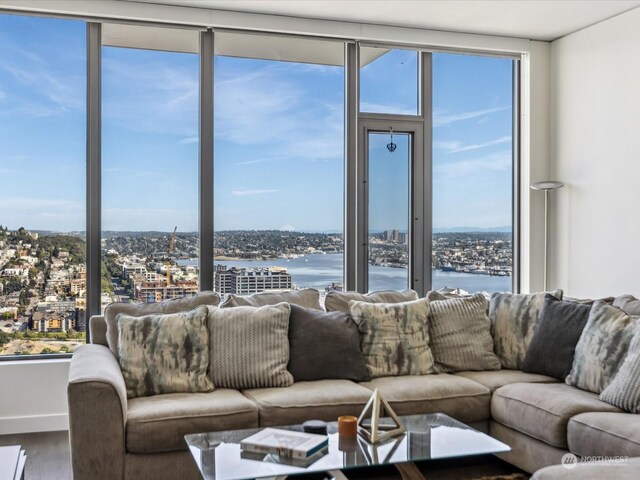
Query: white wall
x=33, y=396
x=596, y=151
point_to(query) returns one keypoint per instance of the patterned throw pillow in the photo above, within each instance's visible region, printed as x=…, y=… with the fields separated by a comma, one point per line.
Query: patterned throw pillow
x=164, y=353
x=184, y=304
x=339, y=301
x=460, y=335
x=250, y=346
x=602, y=347
x=624, y=390
x=394, y=337
x=514, y=318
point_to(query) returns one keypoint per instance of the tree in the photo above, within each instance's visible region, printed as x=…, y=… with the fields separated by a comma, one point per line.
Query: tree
x=4, y=338
x=46, y=350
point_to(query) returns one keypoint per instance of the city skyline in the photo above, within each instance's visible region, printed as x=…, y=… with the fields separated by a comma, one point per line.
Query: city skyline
x=150, y=136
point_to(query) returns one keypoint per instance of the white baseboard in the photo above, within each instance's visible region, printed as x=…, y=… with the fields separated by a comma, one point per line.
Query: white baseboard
x=36, y=423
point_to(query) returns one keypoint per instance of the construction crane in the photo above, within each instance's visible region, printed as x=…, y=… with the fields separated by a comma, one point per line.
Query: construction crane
x=172, y=244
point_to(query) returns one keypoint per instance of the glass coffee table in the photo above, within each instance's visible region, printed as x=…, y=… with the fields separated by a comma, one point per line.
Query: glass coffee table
x=427, y=437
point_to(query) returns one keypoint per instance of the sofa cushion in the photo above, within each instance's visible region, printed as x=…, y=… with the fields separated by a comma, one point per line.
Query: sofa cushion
x=176, y=305
x=624, y=470
x=605, y=434
x=321, y=400
x=159, y=423
x=164, y=353
x=553, y=344
x=308, y=298
x=324, y=345
x=514, y=318
x=394, y=337
x=624, y=389
x=627, y=303
x=460, y=336
x=496, y=379
x=339, y=301
x=542, y=410
x=458, y=397
x=602, y=347
x=250, y=346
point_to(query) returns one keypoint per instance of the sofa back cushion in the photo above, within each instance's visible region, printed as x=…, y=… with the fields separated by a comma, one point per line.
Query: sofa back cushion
x=628, y=304
x=339, y=301
x=460, y=336
x=394, y=337
x=164, y=353
x=514, y=318
x=624, y=390
x=602, y=347
x=308, y=298
x=249, y=346
x=553, y=346
x=140, y=309
x=324, y=345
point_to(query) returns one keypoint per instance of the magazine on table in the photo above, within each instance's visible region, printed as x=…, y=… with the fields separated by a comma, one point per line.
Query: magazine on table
x=285, y=443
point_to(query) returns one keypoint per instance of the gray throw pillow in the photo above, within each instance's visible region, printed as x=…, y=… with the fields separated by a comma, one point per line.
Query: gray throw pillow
x=553, y=346
x=339, y=301
x=628, y=303
x=624, y=390
x=185, y=304
x=394, y=337
x=164, y=353
x=324, y=345
x=308, y=298
x=514, y=318
x=602, y=347
x=460, y=335
x=249, y=346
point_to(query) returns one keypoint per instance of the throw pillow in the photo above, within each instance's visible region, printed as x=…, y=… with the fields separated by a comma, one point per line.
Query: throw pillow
x=628, y=303
x=553, y=344
x=309, y=298
x=514, y=318
x=164, y=353
x=460, y=335
x=624, y=390
x=249, y=346
x=140, y=309
x=324, y=345
x=602, y=347
x=339, y=301
x=394, y=337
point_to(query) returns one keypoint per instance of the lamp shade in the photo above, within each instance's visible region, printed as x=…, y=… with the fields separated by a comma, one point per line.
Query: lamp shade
x=547, y=185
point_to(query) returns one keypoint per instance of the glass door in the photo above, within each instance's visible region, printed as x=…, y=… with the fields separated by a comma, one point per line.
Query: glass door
x=392, y=204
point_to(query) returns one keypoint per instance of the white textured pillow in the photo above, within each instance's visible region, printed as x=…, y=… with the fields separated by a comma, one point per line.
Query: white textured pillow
x=249, y=346
x=624, y=390
x=460, y=335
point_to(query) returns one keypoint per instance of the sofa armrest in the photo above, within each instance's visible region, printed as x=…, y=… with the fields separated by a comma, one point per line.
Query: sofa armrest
x=97, y=399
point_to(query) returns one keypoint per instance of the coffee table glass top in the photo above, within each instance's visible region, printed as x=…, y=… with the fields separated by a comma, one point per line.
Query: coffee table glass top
x=427, y=437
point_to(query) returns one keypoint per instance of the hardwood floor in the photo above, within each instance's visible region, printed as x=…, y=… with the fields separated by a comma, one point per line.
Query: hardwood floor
x=47, y=454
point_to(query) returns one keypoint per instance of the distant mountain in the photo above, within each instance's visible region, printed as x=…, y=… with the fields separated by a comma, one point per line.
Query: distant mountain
x=471, y=229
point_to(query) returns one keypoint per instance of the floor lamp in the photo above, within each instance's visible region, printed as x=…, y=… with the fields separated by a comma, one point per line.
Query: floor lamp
x=546, y=186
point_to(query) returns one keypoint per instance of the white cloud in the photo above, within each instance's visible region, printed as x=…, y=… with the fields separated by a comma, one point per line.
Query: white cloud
x=188, y=141
x=382, y=108
x=494, y=162
x=457, y=147
x=442, y=118
x=287, y=228
x=2, y=95
x=253, y=192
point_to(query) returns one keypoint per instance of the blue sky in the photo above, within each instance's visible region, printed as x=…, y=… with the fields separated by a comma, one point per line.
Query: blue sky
x=278, y=132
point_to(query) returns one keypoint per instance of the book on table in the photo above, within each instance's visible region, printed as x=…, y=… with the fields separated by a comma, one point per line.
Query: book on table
x=285, y=443
x=294, y=462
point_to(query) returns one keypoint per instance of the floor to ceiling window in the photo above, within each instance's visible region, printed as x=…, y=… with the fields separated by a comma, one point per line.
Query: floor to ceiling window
x=149, y=168
x=278, y=181
x=472, y=173
x=42, y=198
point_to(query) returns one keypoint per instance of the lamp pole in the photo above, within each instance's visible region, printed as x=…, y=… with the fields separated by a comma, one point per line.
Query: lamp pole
x=546, y=186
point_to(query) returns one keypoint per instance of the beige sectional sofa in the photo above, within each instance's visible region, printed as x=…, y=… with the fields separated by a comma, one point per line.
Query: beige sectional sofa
x=142, y=438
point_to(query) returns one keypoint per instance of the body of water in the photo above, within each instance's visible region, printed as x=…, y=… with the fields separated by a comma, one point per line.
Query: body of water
x=319, y=271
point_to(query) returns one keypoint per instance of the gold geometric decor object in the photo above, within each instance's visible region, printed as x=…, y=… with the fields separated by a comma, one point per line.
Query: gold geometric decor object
x=376, y=431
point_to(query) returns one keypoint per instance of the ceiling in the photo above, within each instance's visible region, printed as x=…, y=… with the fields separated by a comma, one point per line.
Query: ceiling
x=532, y=19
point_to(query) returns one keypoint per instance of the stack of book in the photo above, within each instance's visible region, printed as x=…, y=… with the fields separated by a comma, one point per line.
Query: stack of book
x=12, y=460
x=285, y=446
